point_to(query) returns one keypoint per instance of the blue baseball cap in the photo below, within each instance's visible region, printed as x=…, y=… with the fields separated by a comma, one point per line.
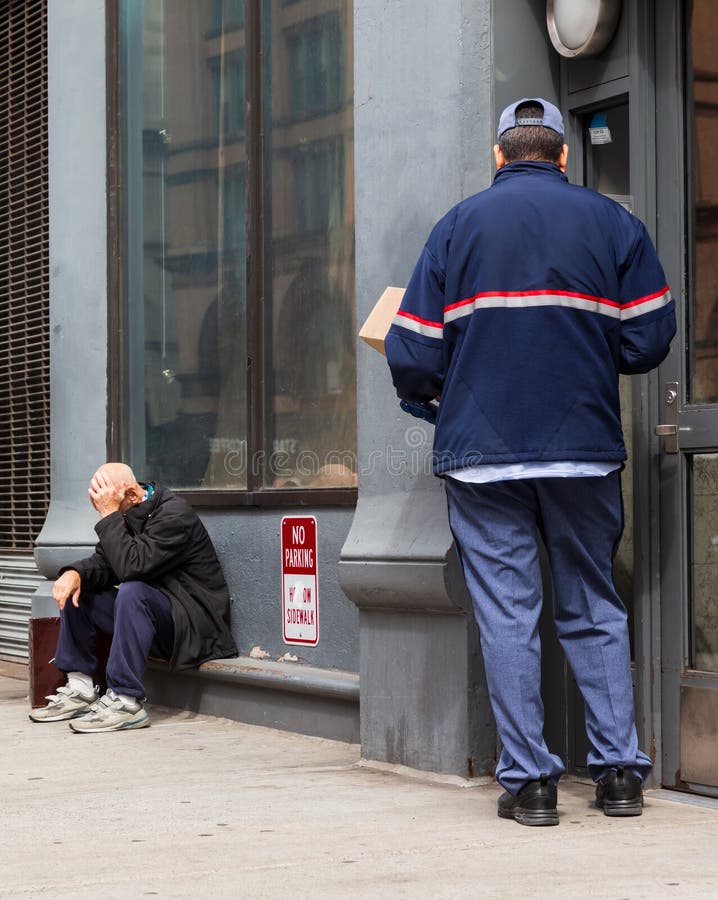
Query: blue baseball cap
x=551, y=117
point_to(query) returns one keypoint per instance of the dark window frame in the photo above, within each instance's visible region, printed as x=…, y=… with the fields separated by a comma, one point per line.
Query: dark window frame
x=255, y=494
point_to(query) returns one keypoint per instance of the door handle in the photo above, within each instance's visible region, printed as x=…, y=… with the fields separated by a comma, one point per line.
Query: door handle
x=668, y=430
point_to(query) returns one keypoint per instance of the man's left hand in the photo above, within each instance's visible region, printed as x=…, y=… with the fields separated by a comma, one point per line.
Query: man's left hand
x=105, y=496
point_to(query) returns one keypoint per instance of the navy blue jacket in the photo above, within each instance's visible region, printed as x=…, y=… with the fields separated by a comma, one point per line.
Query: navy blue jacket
x=528, y=300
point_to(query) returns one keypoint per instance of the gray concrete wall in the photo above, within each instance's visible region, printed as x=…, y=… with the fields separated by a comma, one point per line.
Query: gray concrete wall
x=525, y=63
x=248, y=543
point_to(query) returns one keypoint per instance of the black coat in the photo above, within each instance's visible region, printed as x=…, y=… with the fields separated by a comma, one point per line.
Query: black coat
x=163, y=543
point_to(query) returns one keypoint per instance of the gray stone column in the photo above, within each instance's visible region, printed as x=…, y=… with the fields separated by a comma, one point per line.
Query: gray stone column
x=78, y=280
x=423, y=133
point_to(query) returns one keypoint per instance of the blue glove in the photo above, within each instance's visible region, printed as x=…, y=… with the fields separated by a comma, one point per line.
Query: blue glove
x=426, y=411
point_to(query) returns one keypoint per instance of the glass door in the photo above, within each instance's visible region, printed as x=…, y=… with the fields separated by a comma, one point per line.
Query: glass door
x=688, y=429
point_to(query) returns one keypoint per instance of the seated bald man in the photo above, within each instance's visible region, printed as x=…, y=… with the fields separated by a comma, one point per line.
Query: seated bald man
x=154, y=583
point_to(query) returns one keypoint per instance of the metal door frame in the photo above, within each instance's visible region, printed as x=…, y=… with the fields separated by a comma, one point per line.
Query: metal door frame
x=671, y=241
x=697, y=424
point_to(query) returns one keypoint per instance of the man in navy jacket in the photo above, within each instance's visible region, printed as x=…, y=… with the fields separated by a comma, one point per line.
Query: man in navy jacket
x=528, y=301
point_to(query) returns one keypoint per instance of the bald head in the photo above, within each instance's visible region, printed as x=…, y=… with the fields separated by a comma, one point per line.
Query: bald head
x=114, y=488
x=118, y=474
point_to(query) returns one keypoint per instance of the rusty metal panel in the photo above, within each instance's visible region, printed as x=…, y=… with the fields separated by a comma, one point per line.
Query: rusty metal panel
x=699, y=735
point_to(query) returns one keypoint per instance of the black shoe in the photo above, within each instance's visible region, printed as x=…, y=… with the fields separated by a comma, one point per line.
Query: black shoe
x=535, y=804
x=620, y=794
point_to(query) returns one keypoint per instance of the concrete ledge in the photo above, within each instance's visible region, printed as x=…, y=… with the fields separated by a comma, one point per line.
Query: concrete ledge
x=281, y=677
x=308, y=700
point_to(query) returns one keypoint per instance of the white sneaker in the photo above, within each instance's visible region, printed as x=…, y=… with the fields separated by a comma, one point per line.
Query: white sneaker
x=67, y=703
x=109, y=713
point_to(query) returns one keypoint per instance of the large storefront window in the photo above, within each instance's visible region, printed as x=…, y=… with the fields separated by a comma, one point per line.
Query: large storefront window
x=237, y=328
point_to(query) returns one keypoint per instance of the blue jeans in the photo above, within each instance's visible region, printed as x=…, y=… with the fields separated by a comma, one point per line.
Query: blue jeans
x=496, y=529
x=138, y=617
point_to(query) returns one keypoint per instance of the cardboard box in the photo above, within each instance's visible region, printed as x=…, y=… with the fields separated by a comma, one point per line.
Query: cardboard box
x=379, y=320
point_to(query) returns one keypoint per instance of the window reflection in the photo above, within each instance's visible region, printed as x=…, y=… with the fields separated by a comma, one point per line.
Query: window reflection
x=310, y=364
x=704, y=294
x=185, y=234
x=704, y=561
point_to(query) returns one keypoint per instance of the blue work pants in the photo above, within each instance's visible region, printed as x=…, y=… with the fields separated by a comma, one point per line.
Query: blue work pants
x=496, y=528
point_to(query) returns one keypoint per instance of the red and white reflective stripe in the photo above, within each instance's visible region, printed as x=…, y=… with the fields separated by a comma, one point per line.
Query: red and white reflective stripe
x=531, y=300
x=420, y=326
x=646, y=304
x=563, y=299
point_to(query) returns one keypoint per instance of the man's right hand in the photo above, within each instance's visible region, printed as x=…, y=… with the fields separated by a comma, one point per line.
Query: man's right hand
x=67, y=585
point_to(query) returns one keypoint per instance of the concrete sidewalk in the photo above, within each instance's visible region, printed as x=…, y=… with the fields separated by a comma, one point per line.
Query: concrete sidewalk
x=200, y=807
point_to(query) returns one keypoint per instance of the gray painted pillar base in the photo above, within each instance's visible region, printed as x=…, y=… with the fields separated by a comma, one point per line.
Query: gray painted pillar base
x=423, y=696
x=423, y=702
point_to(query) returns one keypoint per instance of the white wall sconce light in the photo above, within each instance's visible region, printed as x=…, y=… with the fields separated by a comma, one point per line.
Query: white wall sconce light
x=580, y=28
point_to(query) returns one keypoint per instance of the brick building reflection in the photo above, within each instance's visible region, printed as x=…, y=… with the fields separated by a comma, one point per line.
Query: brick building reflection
x=195, y=243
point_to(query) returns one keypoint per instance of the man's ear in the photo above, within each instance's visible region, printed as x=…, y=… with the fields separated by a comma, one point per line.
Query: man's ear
x=134, y=495
x=499, y=157
x=563, y=158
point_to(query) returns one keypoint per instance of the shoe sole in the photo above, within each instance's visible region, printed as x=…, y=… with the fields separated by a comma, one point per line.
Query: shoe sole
x=125, y=726
x=535, y=817
x=632, y=807
x=61, y=717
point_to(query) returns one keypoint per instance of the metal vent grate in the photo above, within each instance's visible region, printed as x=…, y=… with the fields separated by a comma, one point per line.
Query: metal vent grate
x=19, y=579
x=24, y=274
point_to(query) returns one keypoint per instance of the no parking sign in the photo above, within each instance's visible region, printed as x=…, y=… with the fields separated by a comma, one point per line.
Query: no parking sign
x=299, y=580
